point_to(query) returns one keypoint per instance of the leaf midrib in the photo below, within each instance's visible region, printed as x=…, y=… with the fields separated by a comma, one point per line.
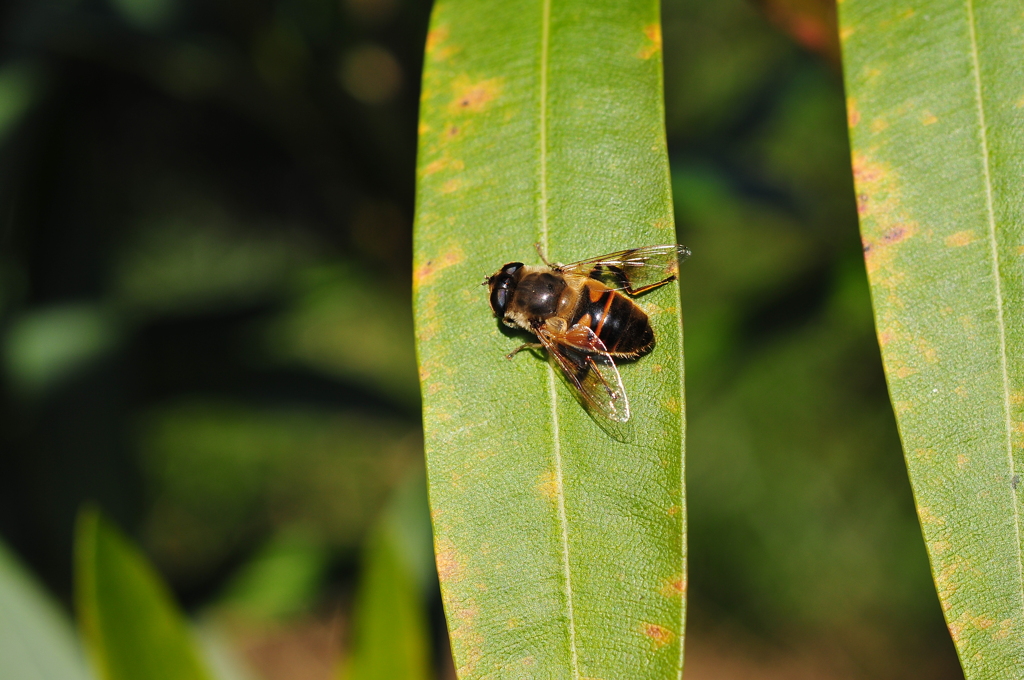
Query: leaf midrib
x=997, y=277
x=552, y=386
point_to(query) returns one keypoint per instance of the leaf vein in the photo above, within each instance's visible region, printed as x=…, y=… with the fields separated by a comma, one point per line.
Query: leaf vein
x=997, y=278
x=543, y=209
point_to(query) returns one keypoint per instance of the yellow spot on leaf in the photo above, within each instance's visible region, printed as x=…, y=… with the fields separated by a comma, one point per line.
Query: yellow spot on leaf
x=928, y=517
x=672, y=404
x=548, y=485
x=845, y=33
x=451, y=186
x=673, y=511
x=961, y=460
x=879, y=124
x=960, y=238
x=426, y=271
x=653, y=33
x=929, y=118
x=904, y=372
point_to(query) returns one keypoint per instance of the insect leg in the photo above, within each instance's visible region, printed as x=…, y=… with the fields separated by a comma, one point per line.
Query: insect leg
x=525, y=345
x=542, y=257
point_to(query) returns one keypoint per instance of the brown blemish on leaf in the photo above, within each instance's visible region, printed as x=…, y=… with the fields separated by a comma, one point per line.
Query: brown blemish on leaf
x=473, y=97
x=659, y=634
x=672, y=404
x=929, y=118
x=426, y=271
x=852, y=113
x=673, y=511
x=674, y=587
x=452, y=132
x=960, y=239
x=653, y=33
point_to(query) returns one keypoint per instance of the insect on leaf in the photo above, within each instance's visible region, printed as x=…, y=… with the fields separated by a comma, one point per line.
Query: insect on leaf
x=936, y=112
x=560, y=548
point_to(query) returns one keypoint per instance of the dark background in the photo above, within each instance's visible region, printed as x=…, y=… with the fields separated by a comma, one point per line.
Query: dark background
x=205, y=256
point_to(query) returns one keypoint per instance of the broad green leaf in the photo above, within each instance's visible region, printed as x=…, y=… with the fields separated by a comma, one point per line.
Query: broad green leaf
x=127, y=617
x=37, y=641
x=389, y=623
x=559, y=541
x=936, y=110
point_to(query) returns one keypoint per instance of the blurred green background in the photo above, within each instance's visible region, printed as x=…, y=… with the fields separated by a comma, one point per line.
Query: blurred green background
x=205, y=326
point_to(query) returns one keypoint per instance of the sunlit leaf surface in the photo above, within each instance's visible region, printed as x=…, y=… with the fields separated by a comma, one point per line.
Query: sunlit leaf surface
x=560, y=548
x=936, y=112
x=128, y=620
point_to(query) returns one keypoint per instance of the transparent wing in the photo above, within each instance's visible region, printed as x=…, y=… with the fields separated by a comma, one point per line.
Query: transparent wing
x=634, y=270
x=586, y=364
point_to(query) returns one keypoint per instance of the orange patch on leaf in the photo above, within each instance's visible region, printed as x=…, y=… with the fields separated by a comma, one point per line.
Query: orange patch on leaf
x=661, y=635
x=674, y=587
x=852, y=114
x=653, y=33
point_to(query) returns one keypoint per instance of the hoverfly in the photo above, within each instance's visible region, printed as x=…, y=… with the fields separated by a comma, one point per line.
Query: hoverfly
x=580, y=317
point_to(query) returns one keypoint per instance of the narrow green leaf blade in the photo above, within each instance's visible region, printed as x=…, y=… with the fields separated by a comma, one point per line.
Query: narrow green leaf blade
x=936, y=112
x=389, y=636
x=127, y=617
x=560, y=549
x=37, y=641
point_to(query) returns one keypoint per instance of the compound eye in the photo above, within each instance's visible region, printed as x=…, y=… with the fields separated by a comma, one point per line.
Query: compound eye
x=511, y=269
x=501, y=297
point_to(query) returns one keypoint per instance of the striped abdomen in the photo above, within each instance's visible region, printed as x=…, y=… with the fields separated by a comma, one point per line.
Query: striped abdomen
x=620, y=324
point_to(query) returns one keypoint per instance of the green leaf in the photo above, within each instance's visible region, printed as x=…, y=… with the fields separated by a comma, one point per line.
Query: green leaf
x=389, y=622
x=126, y=614
x=560, y=548
x=936, y=113
x=37, y=641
